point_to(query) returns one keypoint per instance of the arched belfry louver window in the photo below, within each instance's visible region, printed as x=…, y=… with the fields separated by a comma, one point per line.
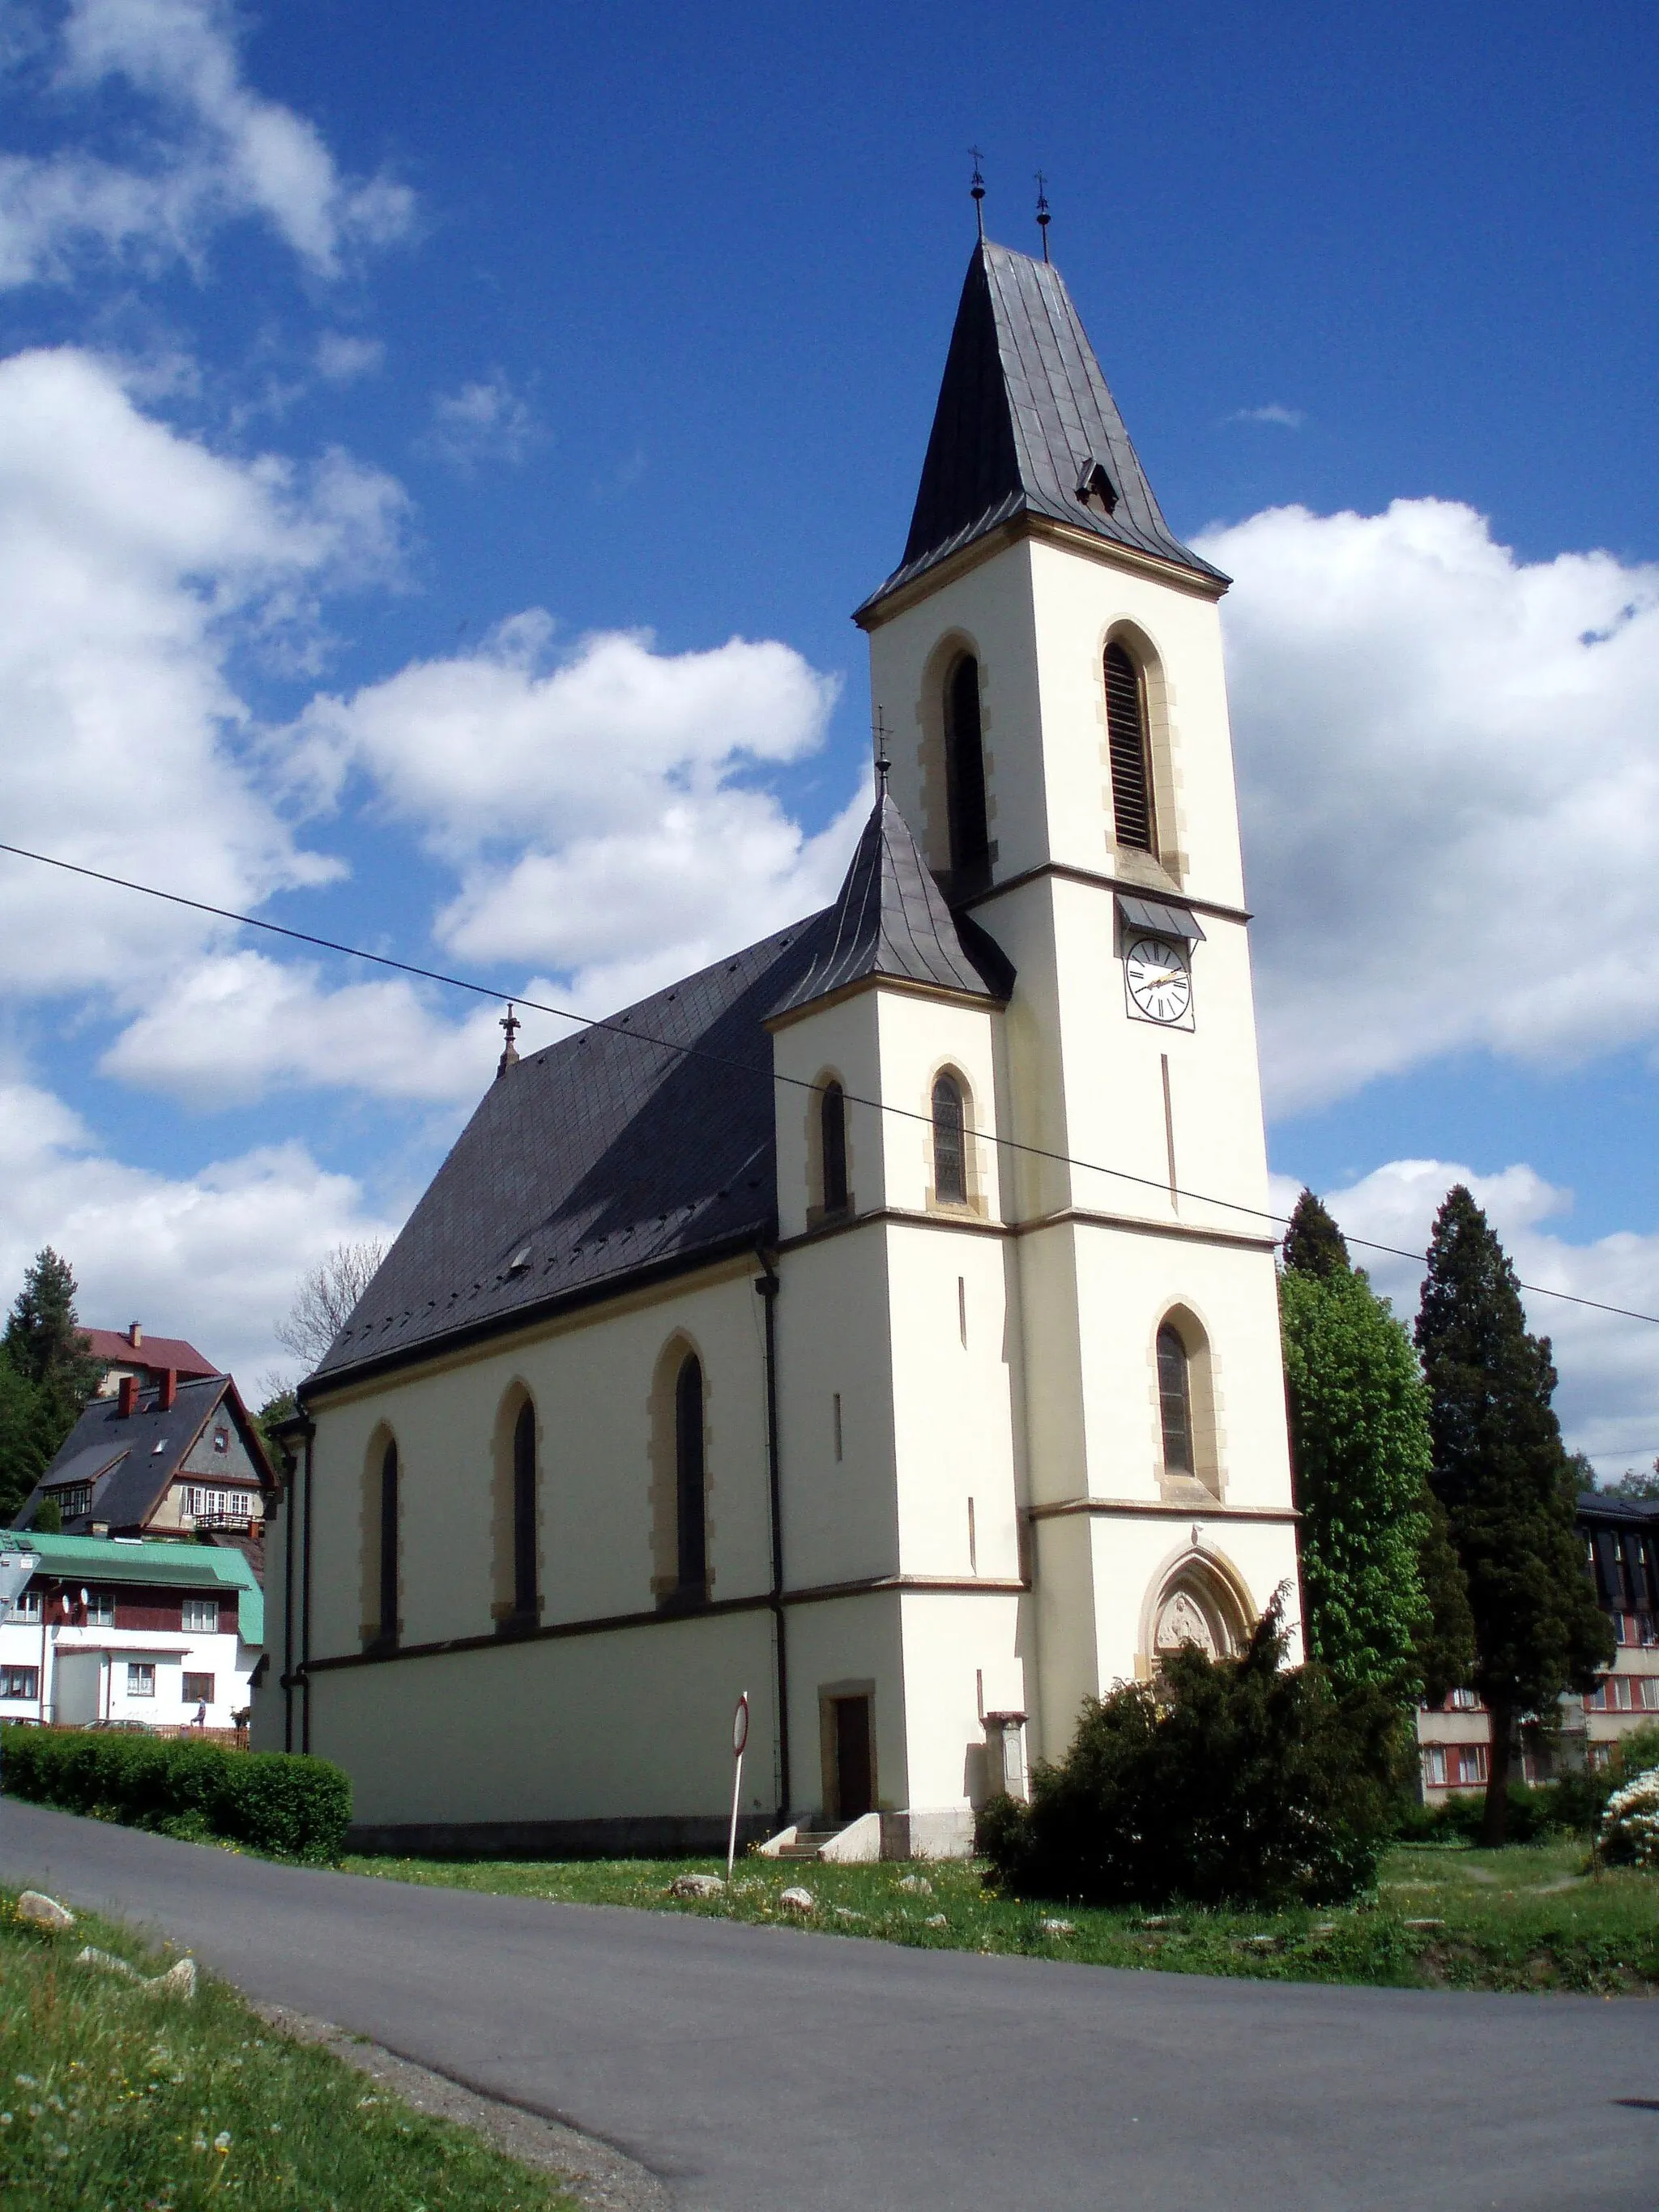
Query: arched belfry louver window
x=1126, y=731
x=689, y=1481
x=832, y=1128
x=1175, y=1400
x=524, y=1512
x=388, y=1575
x=965, y=779
x=950, y=1143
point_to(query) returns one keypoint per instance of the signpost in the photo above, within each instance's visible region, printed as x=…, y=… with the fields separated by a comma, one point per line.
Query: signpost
x=739, y=1738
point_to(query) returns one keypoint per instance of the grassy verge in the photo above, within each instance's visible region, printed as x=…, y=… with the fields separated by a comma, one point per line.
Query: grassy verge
x=1525, y=1918
x=113, y=2099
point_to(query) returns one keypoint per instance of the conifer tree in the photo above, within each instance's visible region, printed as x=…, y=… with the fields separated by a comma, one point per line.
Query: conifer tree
x=1508, y=1487
x=48, y=1376
x=1359, y=1448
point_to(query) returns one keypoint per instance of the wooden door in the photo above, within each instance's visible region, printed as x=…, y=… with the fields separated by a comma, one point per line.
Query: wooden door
x=854, y=1781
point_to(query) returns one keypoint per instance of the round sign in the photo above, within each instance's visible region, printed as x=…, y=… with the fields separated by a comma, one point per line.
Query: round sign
x=740, y=1726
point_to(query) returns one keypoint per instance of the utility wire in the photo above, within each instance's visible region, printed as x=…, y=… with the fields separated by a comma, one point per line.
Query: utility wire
x=619, y=1028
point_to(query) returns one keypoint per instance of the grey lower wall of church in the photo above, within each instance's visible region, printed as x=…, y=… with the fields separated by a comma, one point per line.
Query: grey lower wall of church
x=642, y=1836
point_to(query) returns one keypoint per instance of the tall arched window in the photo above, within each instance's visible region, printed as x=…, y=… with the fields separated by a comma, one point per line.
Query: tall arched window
x=524, y=1512
x=1126, y=730
x=1175, y=1400
x=950, y=1143
x=388, y=1578
x=832, y=1130
x=965, y=779
x=690, y=1480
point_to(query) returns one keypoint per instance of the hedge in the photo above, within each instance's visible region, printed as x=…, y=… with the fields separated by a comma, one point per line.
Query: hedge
x=299, y=1808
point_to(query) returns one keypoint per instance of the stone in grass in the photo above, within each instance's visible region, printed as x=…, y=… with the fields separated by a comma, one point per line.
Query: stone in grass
x=43, y=1911
x=1157, y=1920
x=1058, y=1927
x=696, y=1884
x=1259, y=1943
x=846, y=1912
x=936, y=1920
x=917, y=1884
x=798, y=1900
x=1424, y=1924
x=179, y=1980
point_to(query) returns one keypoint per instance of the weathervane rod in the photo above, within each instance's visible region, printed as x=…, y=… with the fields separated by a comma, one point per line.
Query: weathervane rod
x=883, y=763
x=1042, y=211
x=977, y=188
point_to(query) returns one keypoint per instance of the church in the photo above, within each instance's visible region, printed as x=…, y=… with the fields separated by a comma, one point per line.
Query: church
x=881, y=1322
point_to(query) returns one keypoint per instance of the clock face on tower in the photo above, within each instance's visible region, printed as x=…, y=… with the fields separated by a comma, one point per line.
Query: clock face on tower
x=1160, y=982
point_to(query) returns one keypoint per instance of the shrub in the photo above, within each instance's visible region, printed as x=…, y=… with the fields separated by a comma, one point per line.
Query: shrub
x=1232, y=1780
x=298, y=1806
x=1630, y=1826
x=1532, y=1814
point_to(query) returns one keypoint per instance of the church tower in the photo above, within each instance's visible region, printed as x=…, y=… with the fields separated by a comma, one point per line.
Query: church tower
x=1046, y=664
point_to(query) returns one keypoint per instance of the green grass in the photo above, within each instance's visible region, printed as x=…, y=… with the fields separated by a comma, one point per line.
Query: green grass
x=1525, y=1918
x=113, y=2099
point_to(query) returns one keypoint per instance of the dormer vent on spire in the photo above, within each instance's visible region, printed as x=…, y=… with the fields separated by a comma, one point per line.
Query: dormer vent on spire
x=1025, y=426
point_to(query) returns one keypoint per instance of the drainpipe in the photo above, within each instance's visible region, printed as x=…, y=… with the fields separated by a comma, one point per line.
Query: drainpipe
x=767, y=1290
x=305, y=1603
x=291, y=1469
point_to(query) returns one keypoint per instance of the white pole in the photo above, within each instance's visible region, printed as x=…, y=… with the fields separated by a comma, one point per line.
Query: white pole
x=739, y=1738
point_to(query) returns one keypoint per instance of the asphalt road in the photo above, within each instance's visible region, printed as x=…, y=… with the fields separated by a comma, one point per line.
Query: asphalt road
x=761, y=2070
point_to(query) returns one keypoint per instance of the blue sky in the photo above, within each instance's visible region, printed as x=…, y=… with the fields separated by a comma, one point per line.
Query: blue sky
x=336, y=338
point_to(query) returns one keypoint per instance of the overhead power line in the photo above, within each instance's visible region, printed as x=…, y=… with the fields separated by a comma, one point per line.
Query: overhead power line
x=617, y=1028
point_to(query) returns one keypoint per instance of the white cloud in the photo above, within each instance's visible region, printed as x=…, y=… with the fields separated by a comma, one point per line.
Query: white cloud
x=1449, y=764
x=216, y=151
x=1608, y=1399
x=341, y=358
x=596, y=810
x=132, y=564
x=213, y=1256
x=1286, y=419
x=485, y=421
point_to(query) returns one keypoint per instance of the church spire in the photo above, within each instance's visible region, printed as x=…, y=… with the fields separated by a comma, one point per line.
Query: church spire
x=1026, y=426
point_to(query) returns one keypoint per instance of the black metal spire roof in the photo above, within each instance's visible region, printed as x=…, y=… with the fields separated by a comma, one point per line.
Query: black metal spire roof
x=1025, y=425
x=891, y=920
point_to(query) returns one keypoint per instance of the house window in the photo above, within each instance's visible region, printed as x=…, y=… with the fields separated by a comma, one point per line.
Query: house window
x=74, y=1499
x=205, y=1502
x=1175, y=1400
x=25, y=1606
x=1461, y=1701
x=141, y=1678
x=100, y=1608
x=1647, y=1692
x=964, y=780
x=19, y=1681
x=221, y=1440
x=691, y=1480
x=1125, y=732
x=199, y=1689
x=1621, y=1628
x=524, y=1511
x=202, y=1614
x=950, y=1143
x=832, y=1129
x=1467, y=1763
x=1434, y=1766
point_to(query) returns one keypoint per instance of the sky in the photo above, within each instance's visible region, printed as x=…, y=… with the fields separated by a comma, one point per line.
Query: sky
x=439, y=453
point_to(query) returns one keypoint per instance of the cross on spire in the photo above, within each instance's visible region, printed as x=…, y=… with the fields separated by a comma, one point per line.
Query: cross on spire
x=512, y=1024
x=977, y=189
x=1042, y=211
x=883, y=763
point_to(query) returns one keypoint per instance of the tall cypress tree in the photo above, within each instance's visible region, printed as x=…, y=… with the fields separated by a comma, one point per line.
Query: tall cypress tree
x=1360, y=1447
x=1508, y=1487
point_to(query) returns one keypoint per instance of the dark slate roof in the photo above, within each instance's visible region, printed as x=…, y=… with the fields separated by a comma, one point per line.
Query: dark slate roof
x=1596, y=1505
x=891, y=920
x=130, y=1461
x=619, y=1154
x=1022, y=412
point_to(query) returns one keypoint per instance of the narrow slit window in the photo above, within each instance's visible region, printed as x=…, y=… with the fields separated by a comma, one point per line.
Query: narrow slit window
x=524, y=1511
x=832, y=1124
x=950, y=1147
x=965, y=779
x=835, y=1402
x=691, y=1480
x=389, y=1509
x=1126, y=731
x=1175, y=1400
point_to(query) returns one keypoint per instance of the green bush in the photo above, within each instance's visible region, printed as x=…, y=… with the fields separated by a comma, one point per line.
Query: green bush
x=298, y=1807
x=1534, y=1815
x=1230, y=1780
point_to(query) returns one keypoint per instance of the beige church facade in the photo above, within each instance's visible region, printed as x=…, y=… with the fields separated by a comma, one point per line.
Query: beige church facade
x=876, y=1323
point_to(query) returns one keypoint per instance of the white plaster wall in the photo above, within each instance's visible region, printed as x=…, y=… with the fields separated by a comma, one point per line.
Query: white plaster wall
x=1133, y=1557
x=918, y=1038
x=637, y=1722
x=840, y=1516
x=951, y=1640
x=844, y=1641
x=591, y=1381
x=841, y=1039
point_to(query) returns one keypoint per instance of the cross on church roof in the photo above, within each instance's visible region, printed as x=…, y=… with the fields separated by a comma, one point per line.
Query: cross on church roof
x=512, y=1024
